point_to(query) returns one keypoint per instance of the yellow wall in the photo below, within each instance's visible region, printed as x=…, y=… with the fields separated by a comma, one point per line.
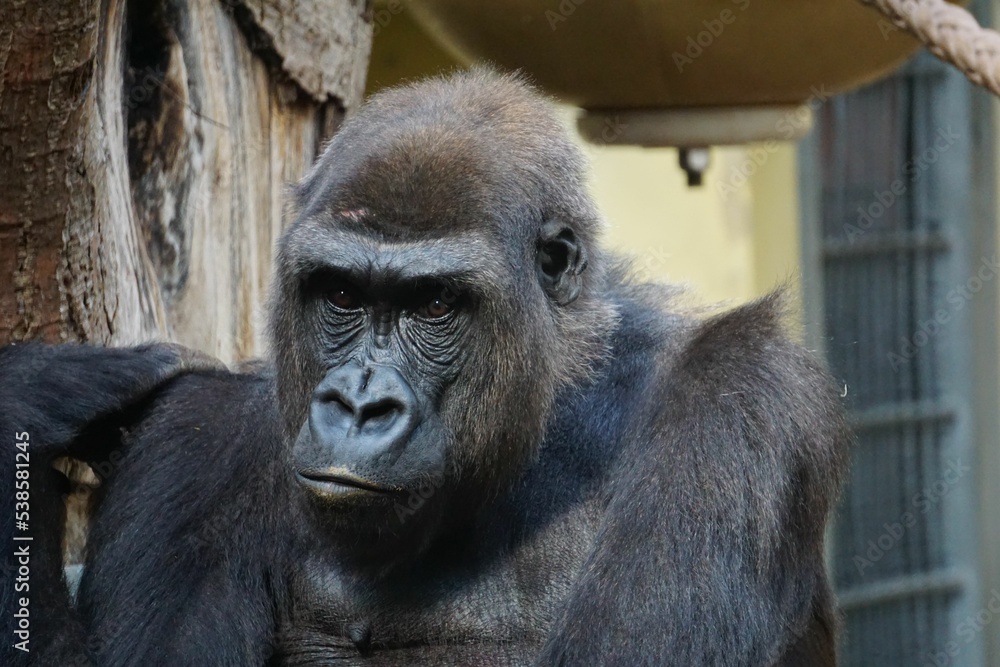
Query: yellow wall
x=733, y=238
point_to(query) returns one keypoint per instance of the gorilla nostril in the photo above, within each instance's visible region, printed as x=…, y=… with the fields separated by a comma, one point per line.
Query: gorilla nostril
x=379, y=412
x=339, y=403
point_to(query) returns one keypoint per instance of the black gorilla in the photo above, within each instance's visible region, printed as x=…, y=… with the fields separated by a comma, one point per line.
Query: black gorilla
x=479, y=443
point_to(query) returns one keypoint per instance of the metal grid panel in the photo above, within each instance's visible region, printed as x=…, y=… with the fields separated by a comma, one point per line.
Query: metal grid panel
x=890, y=181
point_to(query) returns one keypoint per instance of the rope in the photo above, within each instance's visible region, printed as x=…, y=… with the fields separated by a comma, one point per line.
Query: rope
x=952, y=34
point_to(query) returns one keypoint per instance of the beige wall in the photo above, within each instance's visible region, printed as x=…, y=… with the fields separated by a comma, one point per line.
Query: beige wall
x=731, y=239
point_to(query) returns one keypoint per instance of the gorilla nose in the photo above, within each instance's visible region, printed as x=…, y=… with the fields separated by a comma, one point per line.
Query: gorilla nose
x=364, y=413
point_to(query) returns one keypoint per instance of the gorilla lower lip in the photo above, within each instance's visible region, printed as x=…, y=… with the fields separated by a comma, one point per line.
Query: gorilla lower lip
x=340, y=484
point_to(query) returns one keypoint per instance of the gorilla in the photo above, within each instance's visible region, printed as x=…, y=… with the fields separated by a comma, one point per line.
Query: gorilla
x=478, y=441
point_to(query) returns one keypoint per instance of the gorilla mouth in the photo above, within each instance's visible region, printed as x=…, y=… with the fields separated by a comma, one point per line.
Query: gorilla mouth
x=340, y=482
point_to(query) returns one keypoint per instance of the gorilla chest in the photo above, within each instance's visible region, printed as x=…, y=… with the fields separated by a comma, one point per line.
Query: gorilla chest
x=495, y=610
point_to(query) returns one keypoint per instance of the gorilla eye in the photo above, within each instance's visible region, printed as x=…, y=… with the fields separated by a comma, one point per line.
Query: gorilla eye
x=344, y=298
x=439, y=305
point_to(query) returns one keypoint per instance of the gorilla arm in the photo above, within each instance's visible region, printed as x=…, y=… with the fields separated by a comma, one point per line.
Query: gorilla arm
x=48, y=396
x=711, y=551
x=187, y=549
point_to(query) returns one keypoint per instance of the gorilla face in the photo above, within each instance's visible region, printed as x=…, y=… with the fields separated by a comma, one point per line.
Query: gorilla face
x=432, y=294
x=392, y=326
x=407, y=340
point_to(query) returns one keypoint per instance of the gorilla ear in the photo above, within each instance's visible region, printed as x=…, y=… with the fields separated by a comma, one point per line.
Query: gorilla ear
x=562, y=259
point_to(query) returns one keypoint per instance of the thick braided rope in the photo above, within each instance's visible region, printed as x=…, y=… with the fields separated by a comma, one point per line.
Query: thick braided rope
x=952, y=34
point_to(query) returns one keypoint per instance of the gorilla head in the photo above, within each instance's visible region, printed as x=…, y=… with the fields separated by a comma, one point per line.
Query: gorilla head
x=439, y=284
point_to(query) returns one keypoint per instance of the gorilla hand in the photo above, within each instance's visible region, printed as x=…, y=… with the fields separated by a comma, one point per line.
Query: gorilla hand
x=53, y=392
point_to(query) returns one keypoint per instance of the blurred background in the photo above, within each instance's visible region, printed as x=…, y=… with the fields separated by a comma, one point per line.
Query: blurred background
x=736, y=145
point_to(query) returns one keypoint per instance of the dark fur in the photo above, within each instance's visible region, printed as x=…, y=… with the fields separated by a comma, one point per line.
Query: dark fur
x=66, y=401
x=623, y=485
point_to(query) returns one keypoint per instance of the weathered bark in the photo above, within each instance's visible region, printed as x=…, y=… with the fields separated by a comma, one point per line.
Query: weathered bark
x=144, y=146
x=143, y=150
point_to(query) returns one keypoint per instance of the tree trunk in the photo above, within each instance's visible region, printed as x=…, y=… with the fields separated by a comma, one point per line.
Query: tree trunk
x=143, y=151
x=144, y=147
